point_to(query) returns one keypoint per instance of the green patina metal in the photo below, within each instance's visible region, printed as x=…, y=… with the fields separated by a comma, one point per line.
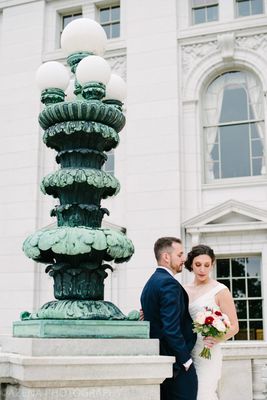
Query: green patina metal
x=81, y=328
x=90, y=110
x=77, y=249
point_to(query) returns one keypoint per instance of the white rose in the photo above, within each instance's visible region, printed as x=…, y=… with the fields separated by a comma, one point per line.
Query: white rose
x=200, y=318
x=219, y=325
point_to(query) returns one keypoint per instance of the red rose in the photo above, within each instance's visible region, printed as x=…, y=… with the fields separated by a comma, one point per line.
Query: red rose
x=218, y=313
x=209, y=320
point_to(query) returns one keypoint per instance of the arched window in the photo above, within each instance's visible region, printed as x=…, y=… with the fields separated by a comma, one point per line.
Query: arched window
x=234, y=127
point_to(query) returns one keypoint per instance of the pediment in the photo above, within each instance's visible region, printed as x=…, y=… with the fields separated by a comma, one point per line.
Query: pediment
x=231, y=212
x=233, y=218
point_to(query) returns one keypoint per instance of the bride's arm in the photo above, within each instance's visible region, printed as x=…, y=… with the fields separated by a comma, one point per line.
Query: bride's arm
x=227, y=306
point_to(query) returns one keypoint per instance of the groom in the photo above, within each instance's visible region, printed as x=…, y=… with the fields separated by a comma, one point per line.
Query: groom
x=165, y=305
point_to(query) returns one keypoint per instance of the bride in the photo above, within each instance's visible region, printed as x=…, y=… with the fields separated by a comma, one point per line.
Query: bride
x=205, y=291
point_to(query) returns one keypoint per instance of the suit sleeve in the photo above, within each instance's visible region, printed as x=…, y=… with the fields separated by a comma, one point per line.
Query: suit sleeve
x=171, y=311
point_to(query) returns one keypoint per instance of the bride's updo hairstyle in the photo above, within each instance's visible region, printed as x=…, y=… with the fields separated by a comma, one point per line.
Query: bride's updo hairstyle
x=199, y=250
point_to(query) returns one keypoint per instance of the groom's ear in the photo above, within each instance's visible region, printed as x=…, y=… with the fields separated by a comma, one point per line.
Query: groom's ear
x=165, y=257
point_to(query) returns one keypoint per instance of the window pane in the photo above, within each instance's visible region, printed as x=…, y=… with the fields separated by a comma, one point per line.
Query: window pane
x=234, y=105
x=199, y=15
x=232, y=100
x=107, y=30
x=68, y=18
x=256, y=330
x=239, y=288
x=255, y=309
x=104, y=15
x=241, y=309
x=216, y=170
x=243, y=331
x=242, y=276
x=223, y=268
x=238, y=267
x=109, y=164
x=254, y=266
x=235, y=151
x=115, y=30
x=256, y=166
x=257, y=149
x=254, y=287
x=226, y=282
x=243, y=8
x=215, y=152
x=115, y=13
x=256, y=7
x=212, y=13
x=254, y=129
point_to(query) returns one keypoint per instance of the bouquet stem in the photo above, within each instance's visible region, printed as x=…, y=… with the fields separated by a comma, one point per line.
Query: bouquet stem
x=205, y=353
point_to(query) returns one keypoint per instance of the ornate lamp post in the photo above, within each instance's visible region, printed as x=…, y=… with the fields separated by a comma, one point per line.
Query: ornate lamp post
x=81, y=130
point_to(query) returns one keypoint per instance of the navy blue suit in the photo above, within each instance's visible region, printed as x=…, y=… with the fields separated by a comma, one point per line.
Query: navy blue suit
x=165, y=305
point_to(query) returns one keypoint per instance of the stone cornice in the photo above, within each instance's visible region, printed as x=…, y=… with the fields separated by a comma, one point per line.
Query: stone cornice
x=12, y=3
x=251, y=26
x=215, y=228
x=244, y=350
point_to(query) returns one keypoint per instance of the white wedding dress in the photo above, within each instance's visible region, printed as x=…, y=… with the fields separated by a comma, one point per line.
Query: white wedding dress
x=208, y=370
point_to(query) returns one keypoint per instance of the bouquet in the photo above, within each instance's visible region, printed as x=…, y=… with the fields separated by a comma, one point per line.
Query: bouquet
x=211, y=322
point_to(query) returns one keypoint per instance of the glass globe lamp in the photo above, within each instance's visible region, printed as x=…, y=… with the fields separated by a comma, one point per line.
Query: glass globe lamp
x=115, y=91
x=52, y=78
x=93, y=73
x=82, y=37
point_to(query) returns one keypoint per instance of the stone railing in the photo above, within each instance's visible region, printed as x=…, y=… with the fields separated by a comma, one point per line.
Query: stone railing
x=244, y=375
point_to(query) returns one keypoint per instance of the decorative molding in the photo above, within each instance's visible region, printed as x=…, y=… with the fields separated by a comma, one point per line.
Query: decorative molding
x=253, y=42
x=226, y=44
x=193, y=53
x=118, y=65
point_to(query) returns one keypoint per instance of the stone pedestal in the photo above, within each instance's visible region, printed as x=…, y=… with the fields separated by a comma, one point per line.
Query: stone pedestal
x=53, y=328
x=79, y=369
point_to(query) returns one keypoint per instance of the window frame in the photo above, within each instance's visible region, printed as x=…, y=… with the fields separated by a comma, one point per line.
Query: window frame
x=247, y=298
x=77, y=13
x=60, y=14
x=250, y=14
x=204, y=7
x=235, y=179
x=109, y=5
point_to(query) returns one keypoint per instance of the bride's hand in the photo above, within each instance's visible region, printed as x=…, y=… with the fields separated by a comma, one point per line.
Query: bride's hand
x=210, y=341
x=141, y=318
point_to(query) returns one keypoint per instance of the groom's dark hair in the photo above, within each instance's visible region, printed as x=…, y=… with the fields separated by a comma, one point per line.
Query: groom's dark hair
x=164, y=244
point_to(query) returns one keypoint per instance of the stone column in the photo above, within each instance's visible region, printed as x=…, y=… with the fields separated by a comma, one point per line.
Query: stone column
x=258, y=384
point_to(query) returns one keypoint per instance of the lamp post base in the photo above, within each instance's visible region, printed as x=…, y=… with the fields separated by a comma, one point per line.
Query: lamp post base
x=52, y=328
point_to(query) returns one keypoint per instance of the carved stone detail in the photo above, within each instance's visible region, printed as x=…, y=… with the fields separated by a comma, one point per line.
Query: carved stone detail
x=118, y=65
x=193, y=53
x=254, y=42
x=226, y=43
